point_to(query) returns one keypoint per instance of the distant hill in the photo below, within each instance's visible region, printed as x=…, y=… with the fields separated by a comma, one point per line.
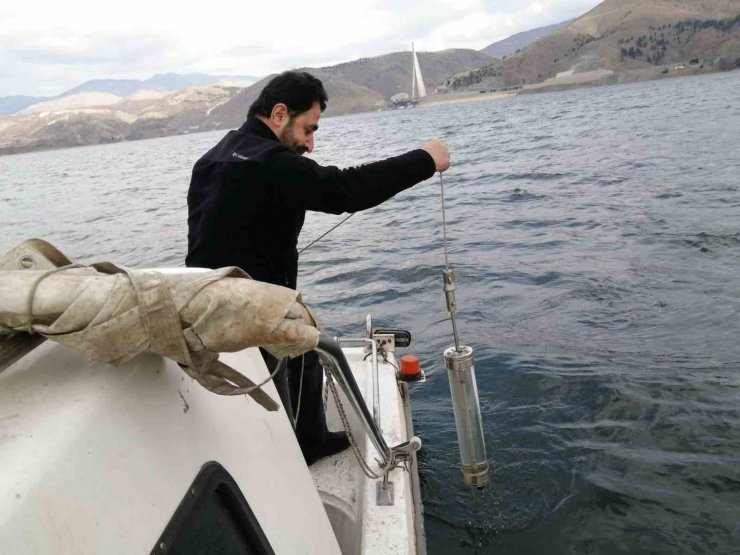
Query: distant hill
x=622, y=37
x=520, y=40
x=169, y=82
x=175, y=113
x=391, y=74
x=109, y=110
x=164, y=82
x=344, y=97
x=364, y=84
x=71, y=101
x=12, y=104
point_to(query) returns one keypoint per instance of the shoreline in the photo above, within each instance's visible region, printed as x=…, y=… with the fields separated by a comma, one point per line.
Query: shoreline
x=461, y=98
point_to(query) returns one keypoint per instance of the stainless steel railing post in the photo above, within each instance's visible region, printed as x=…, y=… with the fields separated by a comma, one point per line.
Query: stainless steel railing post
x=330, y=351
x=373, y=347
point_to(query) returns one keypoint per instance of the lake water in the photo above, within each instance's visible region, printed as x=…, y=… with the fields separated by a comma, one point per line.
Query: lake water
x=597, y=232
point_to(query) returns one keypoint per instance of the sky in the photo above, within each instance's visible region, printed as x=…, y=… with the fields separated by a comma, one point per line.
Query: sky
x=48, y=47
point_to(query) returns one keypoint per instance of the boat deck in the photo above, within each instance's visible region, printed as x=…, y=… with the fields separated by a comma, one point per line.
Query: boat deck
x=350, y=498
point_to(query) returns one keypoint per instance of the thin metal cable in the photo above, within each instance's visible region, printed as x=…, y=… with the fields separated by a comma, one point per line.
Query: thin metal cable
x=444, y=219
x=448, y=274
x=312, y=243
x=300, y=390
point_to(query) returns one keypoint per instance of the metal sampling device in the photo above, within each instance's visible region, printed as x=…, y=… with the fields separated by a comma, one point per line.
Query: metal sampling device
x=460, y=363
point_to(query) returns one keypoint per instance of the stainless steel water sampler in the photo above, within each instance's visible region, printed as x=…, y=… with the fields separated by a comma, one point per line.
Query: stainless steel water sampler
x=460, y=363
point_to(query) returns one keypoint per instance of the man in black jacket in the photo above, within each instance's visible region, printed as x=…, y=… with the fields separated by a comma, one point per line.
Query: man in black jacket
x=248, y=199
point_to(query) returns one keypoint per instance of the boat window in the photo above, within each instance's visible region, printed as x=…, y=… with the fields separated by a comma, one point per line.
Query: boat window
x=213, y=517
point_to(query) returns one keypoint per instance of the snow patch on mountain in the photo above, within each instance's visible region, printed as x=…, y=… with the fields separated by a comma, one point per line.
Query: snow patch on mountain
x=236, y=82
x=145, y=94
x=79, y=100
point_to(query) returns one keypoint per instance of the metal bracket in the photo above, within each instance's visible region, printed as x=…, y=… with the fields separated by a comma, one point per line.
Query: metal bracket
x=400, y=452
x=385, y=342
x=384, y=493
x=404, y=450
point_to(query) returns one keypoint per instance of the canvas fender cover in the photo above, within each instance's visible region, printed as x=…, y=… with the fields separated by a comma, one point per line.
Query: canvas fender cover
x=111, y=313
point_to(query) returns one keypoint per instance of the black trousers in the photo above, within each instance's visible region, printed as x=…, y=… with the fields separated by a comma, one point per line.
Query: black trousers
x=300, y=384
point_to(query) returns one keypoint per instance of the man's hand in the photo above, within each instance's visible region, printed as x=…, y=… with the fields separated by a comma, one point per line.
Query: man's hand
x=439, y=153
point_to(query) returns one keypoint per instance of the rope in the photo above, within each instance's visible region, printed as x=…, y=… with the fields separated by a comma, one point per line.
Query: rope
x=326, y=390
x=35, y=286
x=263, y=382
x=345, y=422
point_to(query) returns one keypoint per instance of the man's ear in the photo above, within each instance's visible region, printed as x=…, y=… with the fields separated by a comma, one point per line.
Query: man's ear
x=279, y=113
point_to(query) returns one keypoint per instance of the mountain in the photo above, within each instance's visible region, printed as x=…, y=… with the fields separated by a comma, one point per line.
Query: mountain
x=130, y=109
x=128, y=119
x=364, y=84
x=344, y=97
x=12, y=104
x=77, y=100
x=624, y=39
x=391, y=74
x=159, y=83
x=520, y=40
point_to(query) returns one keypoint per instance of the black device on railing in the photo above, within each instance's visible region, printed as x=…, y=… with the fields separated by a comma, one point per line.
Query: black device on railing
x=402, y=337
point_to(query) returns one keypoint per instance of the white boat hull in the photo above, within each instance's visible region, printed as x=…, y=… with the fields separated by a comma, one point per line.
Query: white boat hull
x=96, y=459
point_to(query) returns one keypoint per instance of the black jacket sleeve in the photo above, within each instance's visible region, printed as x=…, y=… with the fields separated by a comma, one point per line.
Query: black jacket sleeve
x=302, y=183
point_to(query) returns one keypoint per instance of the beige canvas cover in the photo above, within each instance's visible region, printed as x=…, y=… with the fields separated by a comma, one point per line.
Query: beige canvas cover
x=112, y=313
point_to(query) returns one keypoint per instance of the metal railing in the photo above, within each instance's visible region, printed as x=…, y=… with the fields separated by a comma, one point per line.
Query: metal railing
x=372, y=348
x=331, y=354
x=330, y=351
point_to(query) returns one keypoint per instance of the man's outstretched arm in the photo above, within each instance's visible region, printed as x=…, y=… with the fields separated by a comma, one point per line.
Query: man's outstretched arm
x=304, y=183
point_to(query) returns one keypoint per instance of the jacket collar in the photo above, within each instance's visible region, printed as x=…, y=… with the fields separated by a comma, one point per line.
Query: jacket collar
x=256, y=126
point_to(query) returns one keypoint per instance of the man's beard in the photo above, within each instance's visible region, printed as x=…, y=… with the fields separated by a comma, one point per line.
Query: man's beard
x=286, y=137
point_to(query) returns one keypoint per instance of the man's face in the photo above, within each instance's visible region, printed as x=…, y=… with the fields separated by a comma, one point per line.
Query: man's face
x=299, y=130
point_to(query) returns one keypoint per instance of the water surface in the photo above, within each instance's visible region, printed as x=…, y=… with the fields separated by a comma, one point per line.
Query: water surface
x=598, y=237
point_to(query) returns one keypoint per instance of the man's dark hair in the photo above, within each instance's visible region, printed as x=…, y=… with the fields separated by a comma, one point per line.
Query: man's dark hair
x=298, y=90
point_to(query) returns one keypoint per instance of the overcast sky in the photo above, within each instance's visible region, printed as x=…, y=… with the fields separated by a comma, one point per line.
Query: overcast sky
x=48, y=47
